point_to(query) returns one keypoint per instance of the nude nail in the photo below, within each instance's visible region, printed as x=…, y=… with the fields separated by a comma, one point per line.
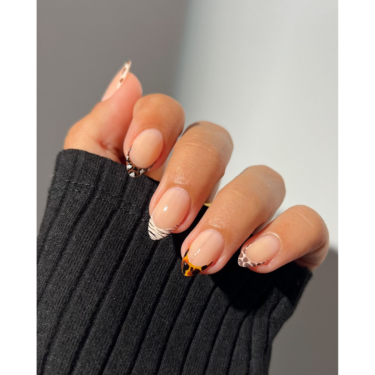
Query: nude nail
x=145, y=150
x=204, y=250
x=170, y=211
x=124, y=72
x=261, y=251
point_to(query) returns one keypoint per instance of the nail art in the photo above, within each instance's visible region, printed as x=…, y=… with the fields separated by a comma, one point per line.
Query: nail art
x=188, y=269
x=169, y=213
x=144, y=152
x=205, y=249
x=243, y=261
x=259, y=252
x=124, y=73
x=156, y=233
x=132, y=169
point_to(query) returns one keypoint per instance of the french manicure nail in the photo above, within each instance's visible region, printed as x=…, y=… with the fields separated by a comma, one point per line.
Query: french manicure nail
x=261, y=251
x=124, y=73
x=145, y=150
x=171, y=209
x=204, y=250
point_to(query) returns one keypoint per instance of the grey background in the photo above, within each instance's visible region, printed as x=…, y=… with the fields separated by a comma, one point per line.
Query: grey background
x=266, y=70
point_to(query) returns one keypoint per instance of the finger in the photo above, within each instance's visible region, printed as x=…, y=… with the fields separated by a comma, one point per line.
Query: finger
x=246, y=203
x=103, y=130
x=198, y=161
x=157, y=122
x=298, y=234
x=117, y=81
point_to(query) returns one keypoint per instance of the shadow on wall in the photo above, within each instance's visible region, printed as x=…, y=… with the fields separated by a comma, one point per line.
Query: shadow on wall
x=307, y=344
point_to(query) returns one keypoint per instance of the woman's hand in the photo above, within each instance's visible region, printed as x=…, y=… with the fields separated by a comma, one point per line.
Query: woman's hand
x=141, y=132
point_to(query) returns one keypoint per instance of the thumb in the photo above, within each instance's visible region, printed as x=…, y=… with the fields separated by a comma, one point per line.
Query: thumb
x=103, y=130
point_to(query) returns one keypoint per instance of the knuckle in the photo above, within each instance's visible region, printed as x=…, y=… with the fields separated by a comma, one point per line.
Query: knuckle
x=307, y=212
x=265, y=170
x=204, y=150
x=98, y=107
x=245, y=197
x=314, y=220
x=161, y=102
x=270, y=178
x=234, y=194
x=212, y=139
x=165, y=112
x=69, y=136
x=218, y=129
x=100, y=112
x=76, y=131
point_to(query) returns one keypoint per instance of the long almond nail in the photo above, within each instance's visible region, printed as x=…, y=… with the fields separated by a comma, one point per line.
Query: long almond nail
x=204, y=250
x=261, y=251
x=145, y=150
x=172, y=208
x=124, y=73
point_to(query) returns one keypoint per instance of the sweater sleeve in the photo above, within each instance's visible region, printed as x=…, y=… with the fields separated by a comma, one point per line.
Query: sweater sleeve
x=112, y=301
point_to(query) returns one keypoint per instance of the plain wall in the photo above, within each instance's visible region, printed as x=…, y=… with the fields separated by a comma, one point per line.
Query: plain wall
x=265, y=70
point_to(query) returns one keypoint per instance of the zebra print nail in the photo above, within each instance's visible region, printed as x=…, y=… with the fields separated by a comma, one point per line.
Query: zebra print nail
x=170, y=211
x=124, y=73
x=132, y=169
x=156, y=233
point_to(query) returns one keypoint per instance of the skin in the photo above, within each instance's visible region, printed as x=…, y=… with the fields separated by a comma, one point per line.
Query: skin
x=240, y=209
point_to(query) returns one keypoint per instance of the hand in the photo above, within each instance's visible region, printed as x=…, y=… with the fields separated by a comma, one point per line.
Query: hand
x=141, y=133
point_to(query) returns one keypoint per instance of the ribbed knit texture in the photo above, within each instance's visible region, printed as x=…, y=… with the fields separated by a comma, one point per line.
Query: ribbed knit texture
x=112, y=301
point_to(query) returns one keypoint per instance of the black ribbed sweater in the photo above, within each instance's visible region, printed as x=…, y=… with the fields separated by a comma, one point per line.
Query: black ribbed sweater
x=112, y=301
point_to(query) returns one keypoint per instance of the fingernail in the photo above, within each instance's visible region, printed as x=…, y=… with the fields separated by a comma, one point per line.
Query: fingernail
x=172, y=208
x=260, y=251
x=145, y=150
x=124, y=73
x=204, y=250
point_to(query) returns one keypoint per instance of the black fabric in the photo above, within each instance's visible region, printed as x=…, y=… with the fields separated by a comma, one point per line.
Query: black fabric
x=112, y=301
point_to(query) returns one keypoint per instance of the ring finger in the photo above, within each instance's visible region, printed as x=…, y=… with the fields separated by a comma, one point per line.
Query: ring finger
x=248, y=202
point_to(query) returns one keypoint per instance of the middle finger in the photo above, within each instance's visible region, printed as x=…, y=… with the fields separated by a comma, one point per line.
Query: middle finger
x=198, y=162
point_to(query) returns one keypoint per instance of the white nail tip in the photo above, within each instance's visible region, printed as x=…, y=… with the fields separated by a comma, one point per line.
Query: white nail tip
x=156, y=233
